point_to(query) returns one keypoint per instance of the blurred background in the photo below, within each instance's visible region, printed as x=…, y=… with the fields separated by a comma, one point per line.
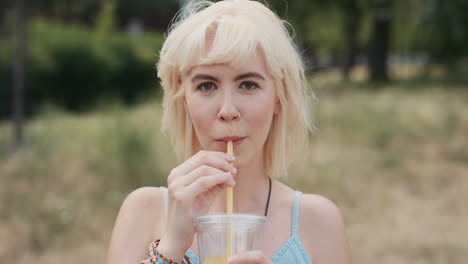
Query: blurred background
x=80, y=122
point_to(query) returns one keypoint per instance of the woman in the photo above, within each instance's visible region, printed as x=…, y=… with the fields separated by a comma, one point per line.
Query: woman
x=230, y=72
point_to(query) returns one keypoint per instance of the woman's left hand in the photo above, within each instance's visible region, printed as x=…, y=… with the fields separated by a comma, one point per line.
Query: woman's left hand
x=250, y=257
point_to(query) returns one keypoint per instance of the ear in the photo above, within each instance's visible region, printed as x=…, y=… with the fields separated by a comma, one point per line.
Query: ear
x=179, y=81
x=277, y=107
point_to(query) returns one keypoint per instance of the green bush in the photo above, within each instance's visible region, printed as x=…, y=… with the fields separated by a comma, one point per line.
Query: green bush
x=75, y=67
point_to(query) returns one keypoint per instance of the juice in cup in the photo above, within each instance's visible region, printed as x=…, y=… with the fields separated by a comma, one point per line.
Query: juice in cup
x=216, y=260
x=246, y=233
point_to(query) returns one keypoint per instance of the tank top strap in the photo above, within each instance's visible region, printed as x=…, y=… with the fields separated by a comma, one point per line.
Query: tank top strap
x=295, y=213
x=165, y=195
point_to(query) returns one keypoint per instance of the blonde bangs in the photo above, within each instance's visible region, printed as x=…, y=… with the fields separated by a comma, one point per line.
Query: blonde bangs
x=226, y=39
x=234, y=42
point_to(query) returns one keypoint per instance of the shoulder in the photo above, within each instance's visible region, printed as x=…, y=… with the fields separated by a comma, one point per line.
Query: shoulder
x=322, y=230
x=144, y=205
x=139, y=221
x=320, y=210
x=144, y=198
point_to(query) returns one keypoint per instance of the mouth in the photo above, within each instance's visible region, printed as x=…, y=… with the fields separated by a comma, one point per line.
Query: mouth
x=222, y=142
x=226, y=139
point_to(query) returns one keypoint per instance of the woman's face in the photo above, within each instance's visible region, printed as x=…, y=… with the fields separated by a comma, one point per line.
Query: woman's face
x=227, y=103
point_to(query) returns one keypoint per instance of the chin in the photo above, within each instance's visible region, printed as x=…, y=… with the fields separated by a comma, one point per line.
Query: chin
x=243, y=160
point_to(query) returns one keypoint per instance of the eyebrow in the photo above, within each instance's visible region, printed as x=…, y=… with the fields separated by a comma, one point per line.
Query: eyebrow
x=249, y=75
x=204, y=77
x=237, y=78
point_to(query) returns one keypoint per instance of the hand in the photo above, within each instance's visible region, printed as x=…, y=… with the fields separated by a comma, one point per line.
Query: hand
x=250, y=257
x=192, y=186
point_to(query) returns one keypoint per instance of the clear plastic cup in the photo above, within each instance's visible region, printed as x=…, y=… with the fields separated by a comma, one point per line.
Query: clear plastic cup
x=213, y=232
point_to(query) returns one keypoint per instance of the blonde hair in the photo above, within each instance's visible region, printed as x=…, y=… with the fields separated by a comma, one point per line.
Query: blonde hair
x=239, y=27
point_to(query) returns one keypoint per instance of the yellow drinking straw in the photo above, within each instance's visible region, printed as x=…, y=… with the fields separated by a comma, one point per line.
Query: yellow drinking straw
x=230, y=151
x=229, y=199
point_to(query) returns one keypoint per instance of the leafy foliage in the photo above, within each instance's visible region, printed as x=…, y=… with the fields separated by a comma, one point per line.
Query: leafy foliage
x=76, y=67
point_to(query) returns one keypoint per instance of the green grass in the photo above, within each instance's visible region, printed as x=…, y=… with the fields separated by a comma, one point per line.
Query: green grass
x=394, y=160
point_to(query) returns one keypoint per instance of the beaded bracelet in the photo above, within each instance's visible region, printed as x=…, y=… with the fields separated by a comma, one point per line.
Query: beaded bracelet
x=155, y=257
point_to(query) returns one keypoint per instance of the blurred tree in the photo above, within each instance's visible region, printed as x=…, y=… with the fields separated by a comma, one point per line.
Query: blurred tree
x=352, y=20
x=105, y=20
x=321, y=19
x=18, y=78
x=445, y=24
x=298, y=13
x=379, y=40
x=155, y=14
x=66, y=11
x=431, y=31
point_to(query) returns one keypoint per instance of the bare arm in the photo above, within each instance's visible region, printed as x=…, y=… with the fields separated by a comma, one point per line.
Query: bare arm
x=322, y=231
x=140, y=219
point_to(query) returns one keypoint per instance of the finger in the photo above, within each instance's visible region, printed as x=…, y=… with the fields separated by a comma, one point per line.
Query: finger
x=214, y=159
x=219, y=188
x=205, y=183
x=203, y=170
x=182, y=181
x=249, y=257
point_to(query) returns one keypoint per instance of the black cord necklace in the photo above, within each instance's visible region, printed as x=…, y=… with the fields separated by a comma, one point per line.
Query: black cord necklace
x=268, y=199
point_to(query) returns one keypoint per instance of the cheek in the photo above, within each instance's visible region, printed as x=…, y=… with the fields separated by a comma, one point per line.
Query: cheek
x=200, y=115
x=261, y=115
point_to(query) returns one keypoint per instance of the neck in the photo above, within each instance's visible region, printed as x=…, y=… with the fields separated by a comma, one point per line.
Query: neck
x=250, y=192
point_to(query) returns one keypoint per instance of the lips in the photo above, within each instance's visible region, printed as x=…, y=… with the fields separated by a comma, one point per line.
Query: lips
x=222, y=142
x=226, y=139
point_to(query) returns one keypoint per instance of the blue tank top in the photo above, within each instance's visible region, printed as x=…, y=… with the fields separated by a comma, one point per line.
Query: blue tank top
x=291, y=252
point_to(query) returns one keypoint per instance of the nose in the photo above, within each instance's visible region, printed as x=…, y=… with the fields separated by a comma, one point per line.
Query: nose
x=228, y=110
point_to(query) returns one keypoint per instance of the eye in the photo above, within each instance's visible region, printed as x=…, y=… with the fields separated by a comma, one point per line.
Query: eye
x=248, y=85
x=206, y=86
